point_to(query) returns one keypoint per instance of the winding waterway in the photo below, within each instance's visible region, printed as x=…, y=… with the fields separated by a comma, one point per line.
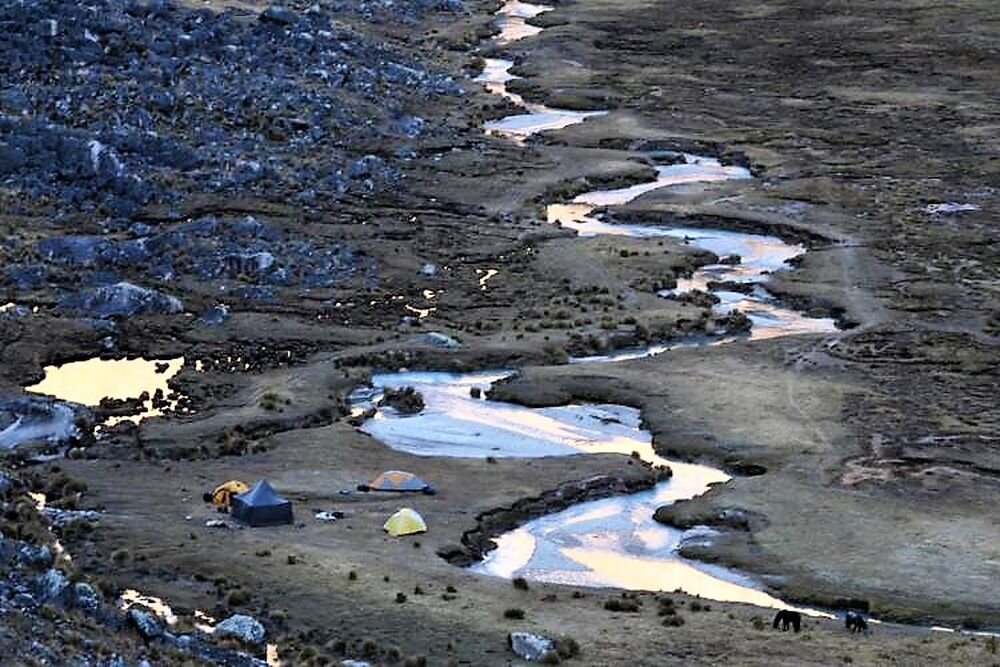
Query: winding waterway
x=612, y=542
x=609, y=542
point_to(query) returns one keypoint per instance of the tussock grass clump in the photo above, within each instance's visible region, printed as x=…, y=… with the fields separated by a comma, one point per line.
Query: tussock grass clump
x=622, y=605
x=406, y=400
x=666, y=606
x=237, y=597
x=555, y=354
x=567, y=647
x=272, y=401
x=514, y=614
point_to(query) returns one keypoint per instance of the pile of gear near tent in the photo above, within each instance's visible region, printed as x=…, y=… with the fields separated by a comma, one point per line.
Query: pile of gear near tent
x=397, y=480
x=261, y=506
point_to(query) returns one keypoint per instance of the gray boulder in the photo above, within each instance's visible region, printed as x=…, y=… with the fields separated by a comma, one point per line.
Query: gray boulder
x=216, y=315
x=24, y=601
x=441, y=340
x=86, y=598
x=51, y=586
x=279, y=15
x=122, y=299
x=245, y=628
x=531, y=647
x=36, y=556
x=145, y=623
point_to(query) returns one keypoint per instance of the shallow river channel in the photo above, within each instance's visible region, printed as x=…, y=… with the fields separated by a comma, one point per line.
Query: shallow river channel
x=612, y=542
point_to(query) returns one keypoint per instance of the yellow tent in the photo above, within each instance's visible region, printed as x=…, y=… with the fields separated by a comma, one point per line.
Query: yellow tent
x=222, y=495
x=405, y=522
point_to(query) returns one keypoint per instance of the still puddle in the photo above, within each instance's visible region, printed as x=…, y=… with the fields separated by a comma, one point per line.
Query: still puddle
x=421, y=313
x=131, y=598
x=88, y=382
x=204, y=622
x=484, y=277
x=612, y=542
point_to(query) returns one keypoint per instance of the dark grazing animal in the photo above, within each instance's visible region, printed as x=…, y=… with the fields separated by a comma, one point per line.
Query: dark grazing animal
x=787, y=617
x=855, y=622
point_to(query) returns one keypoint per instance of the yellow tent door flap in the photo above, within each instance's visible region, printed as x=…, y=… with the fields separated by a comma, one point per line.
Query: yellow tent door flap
x=405, y=522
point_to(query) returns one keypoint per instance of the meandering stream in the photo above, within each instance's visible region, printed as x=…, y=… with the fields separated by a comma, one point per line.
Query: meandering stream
x=610, y=542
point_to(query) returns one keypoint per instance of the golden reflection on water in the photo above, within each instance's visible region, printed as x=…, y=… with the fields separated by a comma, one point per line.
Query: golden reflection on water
x=537, y=424
x=568, y=214
x=666, y=177
x=494, y=77
x=484, y=276
x=514, y=28
x=131, y=597
x=421, y=313
x=87, y=382
x=512, y=22
x=657, y=574
x=538, y=118
x=204, y=622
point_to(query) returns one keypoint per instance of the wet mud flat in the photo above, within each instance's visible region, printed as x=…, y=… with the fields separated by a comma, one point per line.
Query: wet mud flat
x=437, y=254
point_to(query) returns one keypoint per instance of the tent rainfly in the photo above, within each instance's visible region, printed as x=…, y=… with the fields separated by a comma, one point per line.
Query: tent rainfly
x=405, y=522
x=261, y=506
x=397, y=480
